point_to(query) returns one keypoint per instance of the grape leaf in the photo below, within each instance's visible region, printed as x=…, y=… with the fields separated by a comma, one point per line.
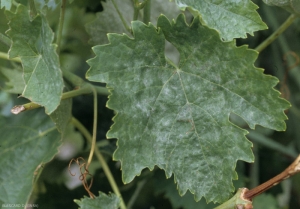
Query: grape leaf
x=26, y=144
x=292, y=6
x=233, y=19
x=62, y=115
x=5, y=4
x=265, y=201
x=108, y=21
x=32, y=42
x=177, y=117
x=43, y=5
x=15, y=83
x=167, y=187
x=103, y=201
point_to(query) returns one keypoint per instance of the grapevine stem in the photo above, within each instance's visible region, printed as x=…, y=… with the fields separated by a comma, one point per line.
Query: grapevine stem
x=267, y=142
x=29, y=106
x=33, y=11
x=93, y=143
x=4, y=39
x=5, y=56
x=291, y=170
x=121, y=17
x=136, y=193
x=275, y=35
x=137, y=6
x=61, y=24
x=101, y=159
x=72, y=78
x=76, y=81
x=147, y=12
x=136, y=10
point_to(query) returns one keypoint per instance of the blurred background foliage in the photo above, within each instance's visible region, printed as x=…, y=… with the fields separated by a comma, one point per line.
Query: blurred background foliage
x=274, y=151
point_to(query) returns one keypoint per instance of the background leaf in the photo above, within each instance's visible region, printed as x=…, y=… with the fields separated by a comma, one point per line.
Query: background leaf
x=62, y=115
x=45, y=5
x=15, y=83
x=5, y=4
x=27, y=142
x=168, y=188
x=232, y=19
x=32, y=42
x=292, y=6
x=108, y=21
x=177, y=117
x=103, y=201
x=265, y=201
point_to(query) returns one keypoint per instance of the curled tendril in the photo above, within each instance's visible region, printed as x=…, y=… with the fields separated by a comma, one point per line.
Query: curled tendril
x=84, y=172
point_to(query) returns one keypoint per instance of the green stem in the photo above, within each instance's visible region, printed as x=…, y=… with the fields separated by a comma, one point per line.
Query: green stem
x=288, y=172
x=147, y=11
x=61, y=24
x=121, y=17
x=101, y=159
x=254, y=168
x=5, y=56
x=29, y=106
x=33, y=11
x=102, y=90
x=76, y=81
x=136, y=193
x=136, y=9
x=237, y=201
x=4, y=39
x=93, y=143
x=275, y=35
x=72, y=78
x=261, y=139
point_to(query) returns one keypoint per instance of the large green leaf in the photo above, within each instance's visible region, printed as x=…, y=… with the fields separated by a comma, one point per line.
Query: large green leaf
x=27, y=142
x=177, y=117
x=233, y=19
x=32, y=42
x=102, y=201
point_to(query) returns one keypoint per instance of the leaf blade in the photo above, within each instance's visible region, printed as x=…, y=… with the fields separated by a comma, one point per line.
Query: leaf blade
x=38, y=142
x=233, y=19
x=32, y=42
x=178, y=117
x=102, y=201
